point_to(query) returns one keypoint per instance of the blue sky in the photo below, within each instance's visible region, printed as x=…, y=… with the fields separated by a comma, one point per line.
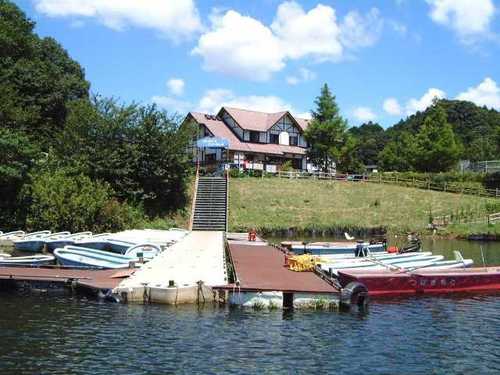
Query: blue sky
x=383, y=60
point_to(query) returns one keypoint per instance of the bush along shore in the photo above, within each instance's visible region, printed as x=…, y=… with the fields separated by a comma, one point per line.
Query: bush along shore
x=282, y=207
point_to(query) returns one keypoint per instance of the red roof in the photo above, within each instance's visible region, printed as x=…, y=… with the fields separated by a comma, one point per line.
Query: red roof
x=260, y=121
x=219, y=129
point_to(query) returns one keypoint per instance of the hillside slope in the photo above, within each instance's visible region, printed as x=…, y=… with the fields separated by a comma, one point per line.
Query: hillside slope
x=274, y=205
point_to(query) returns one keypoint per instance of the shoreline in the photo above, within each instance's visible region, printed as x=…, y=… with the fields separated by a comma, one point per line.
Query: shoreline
x=360, y=232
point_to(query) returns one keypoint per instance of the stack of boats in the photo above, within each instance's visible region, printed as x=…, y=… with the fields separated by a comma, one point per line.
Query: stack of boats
x=104, y=251
x=360, y=255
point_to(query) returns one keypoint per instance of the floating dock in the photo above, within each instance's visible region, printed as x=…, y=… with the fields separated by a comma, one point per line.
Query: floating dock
x=183, y=273
x=261, y=277
x=46, y=278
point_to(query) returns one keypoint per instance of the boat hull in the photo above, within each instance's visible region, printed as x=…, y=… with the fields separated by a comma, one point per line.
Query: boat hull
x=33, y=246
x=51, y=246
x=91, y=258
x=30, y=261
x=386, y=283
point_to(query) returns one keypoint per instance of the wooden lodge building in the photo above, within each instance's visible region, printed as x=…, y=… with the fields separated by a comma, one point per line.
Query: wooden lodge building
x=256, y=140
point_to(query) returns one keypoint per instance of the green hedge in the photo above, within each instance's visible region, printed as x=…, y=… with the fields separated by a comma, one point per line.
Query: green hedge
x=59, y=201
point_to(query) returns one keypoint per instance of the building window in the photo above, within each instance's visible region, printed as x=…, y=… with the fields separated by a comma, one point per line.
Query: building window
x=274, y=138
x=254, y=137
x=294, y=141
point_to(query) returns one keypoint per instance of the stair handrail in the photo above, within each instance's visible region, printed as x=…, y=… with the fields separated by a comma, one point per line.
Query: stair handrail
x=193, y=203
x=227, y=198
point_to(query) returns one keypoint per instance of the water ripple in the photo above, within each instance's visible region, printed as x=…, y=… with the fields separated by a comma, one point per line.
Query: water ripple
x=70, y=335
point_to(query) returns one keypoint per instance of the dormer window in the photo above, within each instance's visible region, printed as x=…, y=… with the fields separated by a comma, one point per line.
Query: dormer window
x=294, y=140
x=254, y=136
x=274, y=138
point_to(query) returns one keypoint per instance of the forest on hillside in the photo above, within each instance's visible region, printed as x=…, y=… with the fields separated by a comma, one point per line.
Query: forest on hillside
x=74, y=161
x=477, y=132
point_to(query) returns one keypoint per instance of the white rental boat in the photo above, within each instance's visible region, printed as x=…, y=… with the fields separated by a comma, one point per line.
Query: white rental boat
x=32, y=242
x=341, y=249
x=329, y=258
x=70, y=239
x=458, y=262
x=16, y=235
x=392, y=263
x=77, y=256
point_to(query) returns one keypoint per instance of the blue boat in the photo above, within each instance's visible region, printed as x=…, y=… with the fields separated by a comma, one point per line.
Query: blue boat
x=29, y=261
x=66, y=240
x=32, y=242
x=106, y=244
x=77, y=256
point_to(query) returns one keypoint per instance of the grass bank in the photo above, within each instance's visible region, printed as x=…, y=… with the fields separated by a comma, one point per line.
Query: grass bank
x=278, y=206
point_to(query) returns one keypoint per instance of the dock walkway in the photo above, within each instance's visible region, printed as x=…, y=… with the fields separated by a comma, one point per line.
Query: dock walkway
x=183, y=273
x=261, y=268
x=91, y=279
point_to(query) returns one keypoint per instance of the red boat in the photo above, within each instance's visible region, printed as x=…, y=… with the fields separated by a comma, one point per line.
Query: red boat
x=397, y=283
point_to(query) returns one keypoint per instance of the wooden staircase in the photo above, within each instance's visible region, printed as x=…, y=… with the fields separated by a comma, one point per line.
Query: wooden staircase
x=210, y=209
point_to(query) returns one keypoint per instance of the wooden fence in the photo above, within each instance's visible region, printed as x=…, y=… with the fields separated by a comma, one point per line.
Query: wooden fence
x=442, y=221
x=429, y=185
x=451, y=187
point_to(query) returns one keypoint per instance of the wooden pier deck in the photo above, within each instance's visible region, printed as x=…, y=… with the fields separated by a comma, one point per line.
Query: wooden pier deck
x=262, y=268
x=183, y=273
x=92, y=279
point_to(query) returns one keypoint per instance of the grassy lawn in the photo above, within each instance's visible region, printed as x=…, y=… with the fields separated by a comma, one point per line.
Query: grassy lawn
x=273, y=204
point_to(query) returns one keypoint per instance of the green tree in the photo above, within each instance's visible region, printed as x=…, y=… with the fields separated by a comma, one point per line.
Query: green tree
x=371, y=140
x=37, y=78
x=348, y=160
x=326, y=134
x=398, y=154
x=17, y=157
x=139, y=150
x=436, y=148
x=64, y=201
x=476, y=128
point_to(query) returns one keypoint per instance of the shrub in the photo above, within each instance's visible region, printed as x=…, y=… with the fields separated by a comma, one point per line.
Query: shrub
x=287, y=166
x=492, y=180
x=59, y=201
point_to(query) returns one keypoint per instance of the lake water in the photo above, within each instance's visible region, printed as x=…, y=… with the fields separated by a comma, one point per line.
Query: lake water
x=71, y=335
x=42, y=334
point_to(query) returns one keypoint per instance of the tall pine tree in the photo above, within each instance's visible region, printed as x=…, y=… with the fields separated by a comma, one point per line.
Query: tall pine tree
x=436, y=147
x=326, y=134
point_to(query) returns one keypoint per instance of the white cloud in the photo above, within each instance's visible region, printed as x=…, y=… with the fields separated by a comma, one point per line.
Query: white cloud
x=242, y=46
x=469, y=19
x=315, y=33
x=214, y=99
x=172, y=104
x=364, y=114
x=361, y=31
x=392, y=107
x=175, y=19
x=303, y=75
x=176, y=86
x=414, y=105
x=398, y=27
x=487, y=93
